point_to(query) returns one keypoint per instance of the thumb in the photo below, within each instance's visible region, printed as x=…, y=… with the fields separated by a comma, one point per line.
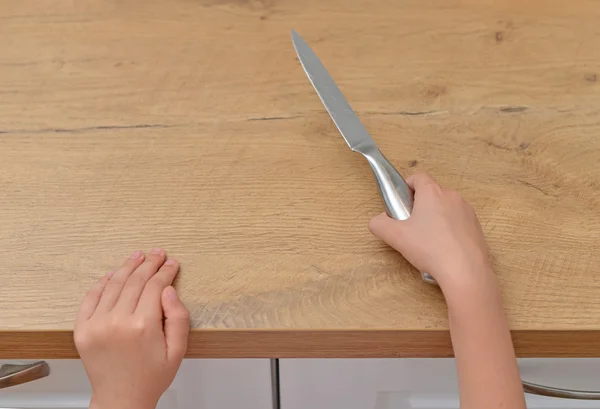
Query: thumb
x=391, y=231
x=177, y=324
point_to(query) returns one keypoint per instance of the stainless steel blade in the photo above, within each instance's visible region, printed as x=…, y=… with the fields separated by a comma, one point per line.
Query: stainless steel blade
x=397, y=196
x=339, y=109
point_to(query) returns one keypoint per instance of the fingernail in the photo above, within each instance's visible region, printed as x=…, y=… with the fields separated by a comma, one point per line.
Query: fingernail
x=170, y=262
x=136, y=254
x=156, y=251
x=171, y=293
x=110, y=273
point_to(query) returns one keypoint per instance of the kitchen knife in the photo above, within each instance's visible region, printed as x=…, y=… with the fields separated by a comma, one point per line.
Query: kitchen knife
x=397, y=196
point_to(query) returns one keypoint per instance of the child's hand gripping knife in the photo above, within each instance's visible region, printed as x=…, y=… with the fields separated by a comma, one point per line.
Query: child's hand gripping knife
x=444, y=238
x=131, y=333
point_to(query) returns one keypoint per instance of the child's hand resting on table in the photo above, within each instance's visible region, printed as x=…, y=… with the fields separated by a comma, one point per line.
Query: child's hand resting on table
x=131, y=333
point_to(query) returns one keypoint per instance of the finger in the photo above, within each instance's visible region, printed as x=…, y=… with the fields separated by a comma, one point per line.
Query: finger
x=419, y=180
x=134, y=286
x=150, y=304
x=91, y=300
x=116, y=282
x=177, y=324
x=389, y=230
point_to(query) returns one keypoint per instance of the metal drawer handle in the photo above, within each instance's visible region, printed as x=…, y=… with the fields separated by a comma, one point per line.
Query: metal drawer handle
x=11, y=375
x=553, y=392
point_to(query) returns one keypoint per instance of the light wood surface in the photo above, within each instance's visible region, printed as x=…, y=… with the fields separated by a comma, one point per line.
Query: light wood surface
x=190, y=124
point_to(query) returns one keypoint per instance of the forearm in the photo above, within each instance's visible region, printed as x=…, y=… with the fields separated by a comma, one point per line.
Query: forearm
x=487, y=368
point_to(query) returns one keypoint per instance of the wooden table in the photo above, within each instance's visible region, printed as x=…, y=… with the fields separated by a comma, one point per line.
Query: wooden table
x=187, y=124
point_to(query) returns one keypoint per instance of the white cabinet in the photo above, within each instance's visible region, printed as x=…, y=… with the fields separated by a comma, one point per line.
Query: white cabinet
x=223, y=384
x=66, y=387
x=311, y=383
x=417, y=383
x=361, y=383
x=200, y=384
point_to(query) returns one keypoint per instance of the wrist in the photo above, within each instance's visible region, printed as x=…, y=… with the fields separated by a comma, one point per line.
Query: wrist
x=471, y=287
x=96, y=403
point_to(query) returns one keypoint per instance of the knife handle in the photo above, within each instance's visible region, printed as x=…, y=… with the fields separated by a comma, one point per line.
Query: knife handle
x=397, y=196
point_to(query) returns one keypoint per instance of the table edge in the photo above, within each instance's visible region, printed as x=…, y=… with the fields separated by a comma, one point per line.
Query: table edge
x=316, y=343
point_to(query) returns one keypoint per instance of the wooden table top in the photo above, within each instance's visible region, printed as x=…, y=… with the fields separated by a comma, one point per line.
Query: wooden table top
x=191, y=125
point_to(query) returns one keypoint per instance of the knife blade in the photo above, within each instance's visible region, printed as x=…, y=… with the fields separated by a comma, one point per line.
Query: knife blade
x=344, y=117
x=397, y=196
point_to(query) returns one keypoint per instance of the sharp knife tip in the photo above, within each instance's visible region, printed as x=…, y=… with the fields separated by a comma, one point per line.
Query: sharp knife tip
x=295, y=36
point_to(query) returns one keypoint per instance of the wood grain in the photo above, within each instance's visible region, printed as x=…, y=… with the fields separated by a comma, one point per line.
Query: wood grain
x=191, y=125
